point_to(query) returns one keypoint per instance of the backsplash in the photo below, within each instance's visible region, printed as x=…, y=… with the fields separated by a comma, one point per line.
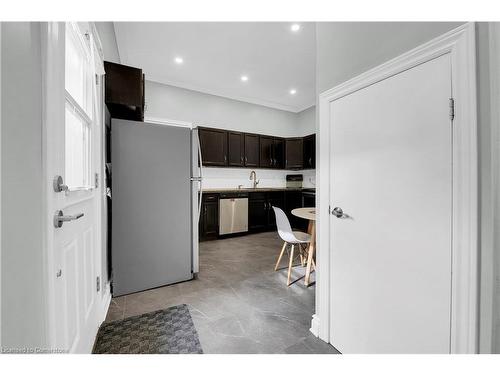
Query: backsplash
x=215, y=178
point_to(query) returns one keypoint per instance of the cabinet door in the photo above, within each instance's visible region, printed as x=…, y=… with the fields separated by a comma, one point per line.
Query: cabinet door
x=235, y=148
x=279, y=153
x=266, y=151
x=209, y=220
x=257, y=213
x=213, y=144
x=276, y=199
x=251, y=150
x=310, y=151
x=293, y=199
x=294, y=153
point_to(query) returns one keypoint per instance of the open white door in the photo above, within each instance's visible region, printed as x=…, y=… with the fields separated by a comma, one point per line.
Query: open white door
x=391, y=173
x=72, y=142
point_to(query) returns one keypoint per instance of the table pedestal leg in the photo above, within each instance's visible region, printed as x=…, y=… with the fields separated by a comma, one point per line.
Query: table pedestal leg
x=310, y=255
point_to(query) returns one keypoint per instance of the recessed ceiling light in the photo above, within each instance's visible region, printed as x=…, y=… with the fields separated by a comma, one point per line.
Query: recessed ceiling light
x=295, y=27
x=293, y=91
x=244, y=78
x=179, y=60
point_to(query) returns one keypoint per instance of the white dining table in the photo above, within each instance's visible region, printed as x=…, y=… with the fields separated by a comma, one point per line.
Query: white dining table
x=308, y=213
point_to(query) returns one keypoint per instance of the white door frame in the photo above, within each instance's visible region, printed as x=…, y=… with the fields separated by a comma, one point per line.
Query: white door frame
x=460, y=44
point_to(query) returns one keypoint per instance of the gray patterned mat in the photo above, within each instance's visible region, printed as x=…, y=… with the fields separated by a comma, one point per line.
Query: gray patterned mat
x=169, y=331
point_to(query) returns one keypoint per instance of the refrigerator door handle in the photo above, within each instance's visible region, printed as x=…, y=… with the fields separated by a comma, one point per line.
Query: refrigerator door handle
x=200, y=174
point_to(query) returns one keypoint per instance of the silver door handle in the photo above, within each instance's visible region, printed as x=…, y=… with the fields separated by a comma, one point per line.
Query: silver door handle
x=340, y=214
x=60, y=218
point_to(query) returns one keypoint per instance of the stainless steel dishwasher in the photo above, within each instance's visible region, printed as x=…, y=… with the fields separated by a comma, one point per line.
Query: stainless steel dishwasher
x=233, y=213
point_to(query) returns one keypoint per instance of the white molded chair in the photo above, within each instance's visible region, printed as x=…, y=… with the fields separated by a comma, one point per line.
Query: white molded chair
x=292, y=238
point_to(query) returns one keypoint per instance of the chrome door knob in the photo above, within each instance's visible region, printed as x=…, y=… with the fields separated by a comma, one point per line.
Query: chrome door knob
x=337, y=211
x=58, y=184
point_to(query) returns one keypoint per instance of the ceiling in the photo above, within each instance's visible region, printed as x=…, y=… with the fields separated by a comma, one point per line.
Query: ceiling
x=217, y=54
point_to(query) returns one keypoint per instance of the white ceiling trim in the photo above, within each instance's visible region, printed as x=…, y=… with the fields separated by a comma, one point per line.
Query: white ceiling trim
x=221, y=93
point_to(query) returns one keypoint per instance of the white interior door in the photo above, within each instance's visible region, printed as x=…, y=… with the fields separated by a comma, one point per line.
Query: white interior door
x=391, y=172
x=73, y=142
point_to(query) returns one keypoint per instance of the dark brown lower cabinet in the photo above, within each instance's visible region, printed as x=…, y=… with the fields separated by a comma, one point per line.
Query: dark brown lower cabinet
x=257, y=212
x=276, y=199
x=261, y=215
x=260, y=210
x=209, y=217
x=294, y=200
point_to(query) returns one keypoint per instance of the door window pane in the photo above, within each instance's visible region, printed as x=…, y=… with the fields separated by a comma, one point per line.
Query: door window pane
x=79, y=109
x=77, y=75
x=77, y=150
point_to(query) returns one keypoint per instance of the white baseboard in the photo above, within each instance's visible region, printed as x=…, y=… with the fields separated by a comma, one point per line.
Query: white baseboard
x=314, y=325
x=105, y=304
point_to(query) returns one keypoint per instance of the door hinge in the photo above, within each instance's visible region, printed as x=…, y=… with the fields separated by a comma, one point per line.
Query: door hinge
x=452, y=109
x=96, y=79
x=96, y=180
x=98, y=283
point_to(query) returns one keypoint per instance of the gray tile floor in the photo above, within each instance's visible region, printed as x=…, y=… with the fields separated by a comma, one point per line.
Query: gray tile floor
x=238, y=303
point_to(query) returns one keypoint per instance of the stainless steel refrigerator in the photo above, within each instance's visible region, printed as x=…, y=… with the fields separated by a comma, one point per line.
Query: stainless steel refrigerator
x=156, y=195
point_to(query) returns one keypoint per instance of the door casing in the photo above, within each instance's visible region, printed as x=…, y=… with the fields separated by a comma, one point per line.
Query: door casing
x=460, y=44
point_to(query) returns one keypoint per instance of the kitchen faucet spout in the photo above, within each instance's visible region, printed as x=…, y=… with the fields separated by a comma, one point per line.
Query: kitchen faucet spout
x=253, y=176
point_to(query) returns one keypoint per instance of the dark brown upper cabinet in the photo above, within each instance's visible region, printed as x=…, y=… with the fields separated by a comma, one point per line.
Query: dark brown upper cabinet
x=310, y=152
x=213, y=143
x=266, y=151
x=271, y=152
x=251, y=150
x=124, y=91
x=236, y=149
x=279, y=153
x=227, y=148
x=294, y=149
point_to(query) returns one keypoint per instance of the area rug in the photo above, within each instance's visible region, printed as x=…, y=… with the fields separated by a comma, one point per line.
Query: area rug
x=169, y=331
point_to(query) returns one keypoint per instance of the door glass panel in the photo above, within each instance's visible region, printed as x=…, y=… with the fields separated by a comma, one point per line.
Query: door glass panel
x=79, y=109
x=77, y=149
x=77, y=69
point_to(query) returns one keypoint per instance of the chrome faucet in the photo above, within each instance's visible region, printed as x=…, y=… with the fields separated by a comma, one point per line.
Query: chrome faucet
x=255, y=181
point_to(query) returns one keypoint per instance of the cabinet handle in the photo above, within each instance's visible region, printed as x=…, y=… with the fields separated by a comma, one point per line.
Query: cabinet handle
x=225, y=158
x=246, y=159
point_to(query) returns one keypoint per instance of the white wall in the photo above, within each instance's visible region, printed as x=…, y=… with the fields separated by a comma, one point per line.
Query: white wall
x=494, y=37
x=488, y=60
x=306, y=121
x=173, y=103
x=107, y=35
x=346, y=49
x=22, y=294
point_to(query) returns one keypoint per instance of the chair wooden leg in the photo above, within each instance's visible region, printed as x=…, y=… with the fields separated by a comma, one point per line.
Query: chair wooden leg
x=290, y=266
x=301, y=253
x=281, y=255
